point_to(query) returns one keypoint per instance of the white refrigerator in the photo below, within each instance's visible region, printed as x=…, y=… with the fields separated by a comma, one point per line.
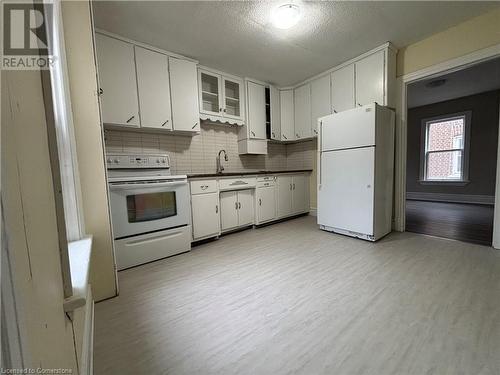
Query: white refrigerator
x=356, y=172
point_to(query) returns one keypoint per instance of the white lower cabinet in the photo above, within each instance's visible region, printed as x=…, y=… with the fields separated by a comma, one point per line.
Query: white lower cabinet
x=266, y=203
x=292, y=195
x=236, y=209
x=205, y=210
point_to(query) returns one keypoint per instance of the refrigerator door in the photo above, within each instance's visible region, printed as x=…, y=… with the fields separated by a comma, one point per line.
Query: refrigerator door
x=345, y=195
x=349, y=129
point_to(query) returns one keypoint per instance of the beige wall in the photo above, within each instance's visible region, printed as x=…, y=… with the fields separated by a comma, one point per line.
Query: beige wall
x=89, y=143
x=469, y=36
x=31, y=228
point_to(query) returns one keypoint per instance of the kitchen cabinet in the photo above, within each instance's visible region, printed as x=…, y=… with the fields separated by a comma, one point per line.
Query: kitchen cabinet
x=153, y=85
x=266, y=202
x=236, y=209
x=220, y=97
x=292, y=195
x=284, y=196
x=370, y=79
x=299, y=197
x=287, y=115
x=275, y=113
x=302, y=111
x=117, y=81
x=184, y=95
x=320, y=101
x=205, y=214
x=256, y=119
x=342, y=93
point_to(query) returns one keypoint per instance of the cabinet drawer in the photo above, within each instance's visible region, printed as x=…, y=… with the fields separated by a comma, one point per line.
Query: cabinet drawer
x=237, y=183
x=263, y=184
x=203, y=186
x=265, y=178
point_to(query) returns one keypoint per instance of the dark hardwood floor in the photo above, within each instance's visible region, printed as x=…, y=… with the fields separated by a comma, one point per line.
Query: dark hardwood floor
x=459, y=221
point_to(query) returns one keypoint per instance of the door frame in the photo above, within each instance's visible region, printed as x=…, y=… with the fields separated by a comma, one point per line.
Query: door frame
x=449, y=66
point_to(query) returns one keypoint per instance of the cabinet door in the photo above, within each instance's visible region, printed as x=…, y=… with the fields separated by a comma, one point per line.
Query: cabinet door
x=370, y=79
x=116, y=69
x=302, y=111
x=233, y=98
x=266, y=204
x=320, y=101
x=184, y=94
x=343, y=89
x=246, y=214
x=275, y=113
x=284, y=195
x=256, y=110
x=206, y=219
x=299, y=193
x=287, y=115
x=154, y=89
x=229, y=209
x=210, y=94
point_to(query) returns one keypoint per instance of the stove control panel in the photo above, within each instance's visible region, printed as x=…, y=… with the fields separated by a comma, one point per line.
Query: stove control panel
x=122, y=161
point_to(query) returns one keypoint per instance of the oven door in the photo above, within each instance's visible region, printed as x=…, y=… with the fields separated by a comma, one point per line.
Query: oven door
x=143, y=207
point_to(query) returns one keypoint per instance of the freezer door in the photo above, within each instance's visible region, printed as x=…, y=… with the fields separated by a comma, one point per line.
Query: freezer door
x=349, y=129
x=345, y=194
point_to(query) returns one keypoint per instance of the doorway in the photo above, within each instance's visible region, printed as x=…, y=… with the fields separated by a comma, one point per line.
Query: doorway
x=451, y=163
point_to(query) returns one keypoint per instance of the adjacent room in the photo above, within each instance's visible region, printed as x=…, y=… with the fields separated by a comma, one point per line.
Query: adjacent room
x=250, y=187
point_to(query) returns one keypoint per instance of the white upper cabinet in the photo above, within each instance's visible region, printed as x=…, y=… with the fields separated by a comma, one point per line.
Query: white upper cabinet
x=320, y=101
x=370, y=79
x=256, y=95
x=117, y=79
x=153, y=84
x=275, y=113
x=184, y=95
x=302, y=111
x=221, y=97
x=343, y=97
x=287, y=115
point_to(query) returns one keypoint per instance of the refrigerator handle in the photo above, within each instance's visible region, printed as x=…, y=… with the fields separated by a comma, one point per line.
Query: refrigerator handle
x=319, y=153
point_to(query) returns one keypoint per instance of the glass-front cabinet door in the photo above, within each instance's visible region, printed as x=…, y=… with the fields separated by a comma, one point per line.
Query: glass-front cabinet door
x=233, y=98
x=210, y=93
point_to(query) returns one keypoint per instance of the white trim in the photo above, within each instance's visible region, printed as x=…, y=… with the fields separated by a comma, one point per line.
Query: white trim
x=449, y=66
x=313, y=211
x=144, y=45
x=452, y=198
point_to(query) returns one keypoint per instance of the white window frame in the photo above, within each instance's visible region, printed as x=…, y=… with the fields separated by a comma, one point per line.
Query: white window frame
x=424, y=152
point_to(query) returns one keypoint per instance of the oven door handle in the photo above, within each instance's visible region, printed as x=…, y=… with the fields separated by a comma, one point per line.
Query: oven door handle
x=128, y=186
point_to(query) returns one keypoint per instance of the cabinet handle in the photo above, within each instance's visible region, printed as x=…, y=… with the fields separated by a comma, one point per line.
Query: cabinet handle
x=334, y=111
x=315, y=131
x=165, y=123
x=130, y=119
x=359, y=105
x=195, y=125
x=239, y=205
x=293, y=187
x=272, y=134
x=260, y=202
x=216, y=208
x=101, y=91
x=224, y=110
x=284, y=136
x=220, y=109
x=203, y=187
x=236, y=205
x=298, y=136
x=252, y=133
x=290, y=186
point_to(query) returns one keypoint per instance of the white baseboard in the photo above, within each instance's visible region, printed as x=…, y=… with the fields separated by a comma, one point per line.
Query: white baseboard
x=452, y=198
x=313, y=211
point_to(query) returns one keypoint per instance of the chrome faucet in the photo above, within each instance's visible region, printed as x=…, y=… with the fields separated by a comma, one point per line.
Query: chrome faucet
x=220, y=168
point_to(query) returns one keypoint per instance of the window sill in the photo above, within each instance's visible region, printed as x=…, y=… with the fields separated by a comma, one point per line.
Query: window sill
x=444, y=182
x=79, y=264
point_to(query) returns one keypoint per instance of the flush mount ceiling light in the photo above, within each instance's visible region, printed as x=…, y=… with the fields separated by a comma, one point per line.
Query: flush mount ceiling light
x=285, y=16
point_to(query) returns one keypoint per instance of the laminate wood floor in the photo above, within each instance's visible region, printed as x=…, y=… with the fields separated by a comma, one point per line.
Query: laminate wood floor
x=459, y=221
x=291, y=299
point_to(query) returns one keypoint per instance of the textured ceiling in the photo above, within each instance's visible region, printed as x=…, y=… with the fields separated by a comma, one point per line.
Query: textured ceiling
x=474, y=80
x=237, y=36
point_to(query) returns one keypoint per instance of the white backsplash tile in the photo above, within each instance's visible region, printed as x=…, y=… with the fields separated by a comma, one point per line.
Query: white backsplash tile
x=196, y=154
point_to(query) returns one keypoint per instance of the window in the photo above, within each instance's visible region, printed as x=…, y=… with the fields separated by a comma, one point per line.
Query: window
x=445, y=148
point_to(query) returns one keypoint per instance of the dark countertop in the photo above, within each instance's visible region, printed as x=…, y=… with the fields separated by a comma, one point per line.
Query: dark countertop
x=253, y=173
